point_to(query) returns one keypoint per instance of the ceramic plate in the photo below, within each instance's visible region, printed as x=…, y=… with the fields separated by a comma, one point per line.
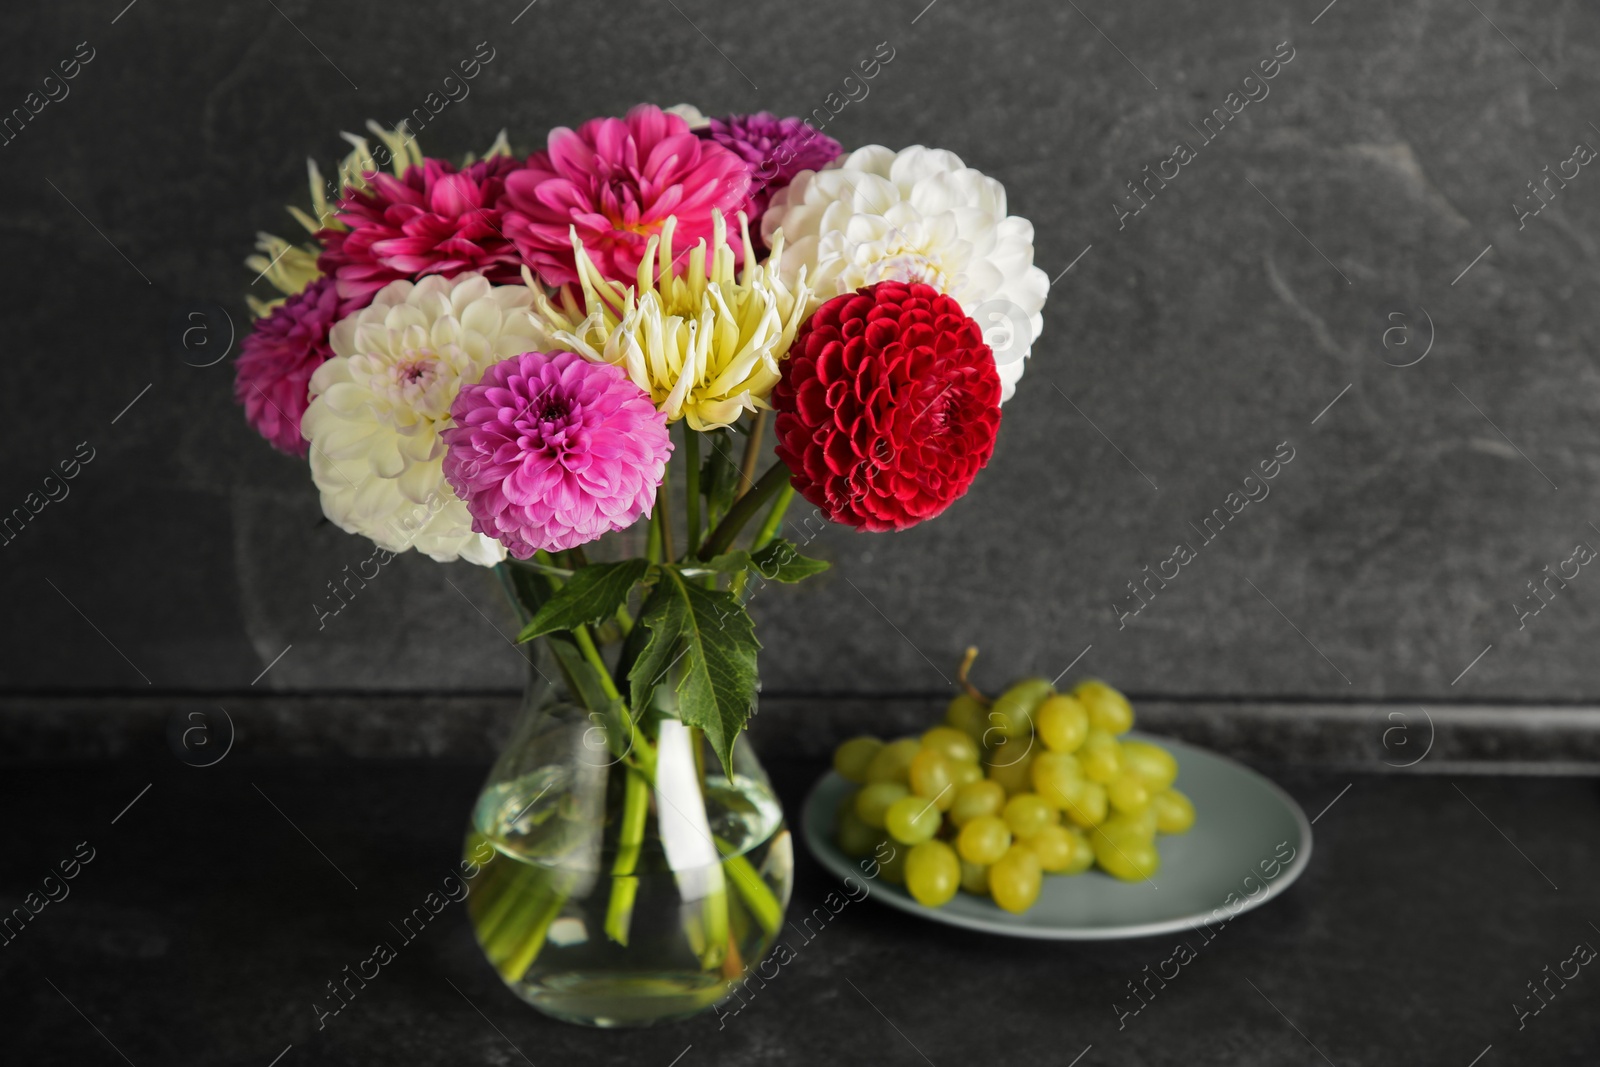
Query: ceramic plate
x=1250, y=841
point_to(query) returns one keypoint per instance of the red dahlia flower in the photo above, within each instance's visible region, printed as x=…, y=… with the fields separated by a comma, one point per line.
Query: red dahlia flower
x=888, y=406
x=433, y=220
x=615, y=181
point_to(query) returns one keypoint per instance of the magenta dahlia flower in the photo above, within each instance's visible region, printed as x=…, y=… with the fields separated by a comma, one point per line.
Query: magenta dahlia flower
x=433, y=220
x=615, y=181
x=273, y=371
x=549, y=451
x=774, y=149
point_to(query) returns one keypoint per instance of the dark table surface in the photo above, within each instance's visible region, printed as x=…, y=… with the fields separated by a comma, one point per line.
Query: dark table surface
x=219, y=903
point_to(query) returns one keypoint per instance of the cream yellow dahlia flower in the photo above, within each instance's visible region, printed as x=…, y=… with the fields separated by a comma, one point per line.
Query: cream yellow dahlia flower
x=379, y=405
x=704, y=345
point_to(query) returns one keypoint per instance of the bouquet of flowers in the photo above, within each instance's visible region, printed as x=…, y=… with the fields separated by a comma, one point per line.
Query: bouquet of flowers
x=498, y=360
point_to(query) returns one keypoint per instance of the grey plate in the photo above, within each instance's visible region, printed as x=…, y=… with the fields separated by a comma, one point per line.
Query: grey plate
x=1245, y=827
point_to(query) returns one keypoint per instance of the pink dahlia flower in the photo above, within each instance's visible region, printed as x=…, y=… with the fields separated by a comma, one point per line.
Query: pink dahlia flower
x=774, y=149
x=273, y=372
x=551, y=451
x=433, y=220
x=616, y=181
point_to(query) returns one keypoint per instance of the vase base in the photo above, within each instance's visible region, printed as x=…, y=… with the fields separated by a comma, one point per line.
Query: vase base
x=612, y=1001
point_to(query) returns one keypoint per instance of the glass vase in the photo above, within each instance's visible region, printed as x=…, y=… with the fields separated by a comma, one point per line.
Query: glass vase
x=627, y=879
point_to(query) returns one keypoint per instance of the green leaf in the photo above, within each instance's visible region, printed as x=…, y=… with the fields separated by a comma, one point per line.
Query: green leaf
x=591, y=595
x=780, y=561
x=729, y=562
x=705, y=639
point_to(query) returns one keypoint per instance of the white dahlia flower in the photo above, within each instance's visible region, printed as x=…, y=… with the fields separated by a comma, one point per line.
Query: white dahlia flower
x=916, y=215
x=378, y=406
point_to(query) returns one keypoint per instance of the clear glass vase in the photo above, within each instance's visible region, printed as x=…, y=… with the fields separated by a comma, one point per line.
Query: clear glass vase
x=617, y=890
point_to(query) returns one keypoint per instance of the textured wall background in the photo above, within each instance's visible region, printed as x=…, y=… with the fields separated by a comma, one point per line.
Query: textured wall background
x=1180, y=348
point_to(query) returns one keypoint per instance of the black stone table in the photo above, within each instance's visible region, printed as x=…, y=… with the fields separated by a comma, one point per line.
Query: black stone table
x=218, y=903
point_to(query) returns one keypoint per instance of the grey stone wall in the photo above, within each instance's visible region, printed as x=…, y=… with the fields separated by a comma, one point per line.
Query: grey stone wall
x=1359, y=213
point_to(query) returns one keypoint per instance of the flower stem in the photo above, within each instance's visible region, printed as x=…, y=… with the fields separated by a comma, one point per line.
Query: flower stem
x=755, y=893
x=538, y=907
x=652, y=542
x=752, y=454
x=630, y=838
x=586, y=645
x=691, y=488
x=663, y=514
x=774, y=520
x=744, y=509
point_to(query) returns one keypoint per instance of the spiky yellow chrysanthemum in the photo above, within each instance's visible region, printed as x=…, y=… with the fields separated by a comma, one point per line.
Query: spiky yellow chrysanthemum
x=705, y=346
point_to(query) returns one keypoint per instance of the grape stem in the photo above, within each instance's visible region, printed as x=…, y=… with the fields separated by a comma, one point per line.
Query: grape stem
x=961, y=676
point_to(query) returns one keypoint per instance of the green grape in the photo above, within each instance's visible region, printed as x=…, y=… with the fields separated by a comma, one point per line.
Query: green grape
x=872, y=803
x=984, y=839
x=1057, y=777
x=1063, y=723
x=856, y=838
x=1140, y=824
x=1054, y=846
x=975, y=878
x=1028, y=813
x=1154, y=763
x=967, y=714
x=975, y=799
x=911, y=820
x=930, y=777
x=1012, y=767
x=852, y=758
x=1010, y=717
x=1127, y=791
x=1100, y=757
x=1082, y=853
x=1090, y=807
x=1174, y=811
x=1128, y=858
x=893, y=761
x=1108, y=709
x=966, y=773
x=933, y=874
x=953, y=744
x=1014, y=879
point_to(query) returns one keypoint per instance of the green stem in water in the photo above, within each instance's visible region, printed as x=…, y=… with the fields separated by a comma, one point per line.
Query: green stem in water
x=541, y=905
x=743, y=510
x=630, y=839
x=714, y=916
x=755, y=893
x=691, y=488
x=714, y=908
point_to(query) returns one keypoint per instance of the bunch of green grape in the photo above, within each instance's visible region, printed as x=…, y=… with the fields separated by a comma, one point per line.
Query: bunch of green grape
x=1035, y=782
